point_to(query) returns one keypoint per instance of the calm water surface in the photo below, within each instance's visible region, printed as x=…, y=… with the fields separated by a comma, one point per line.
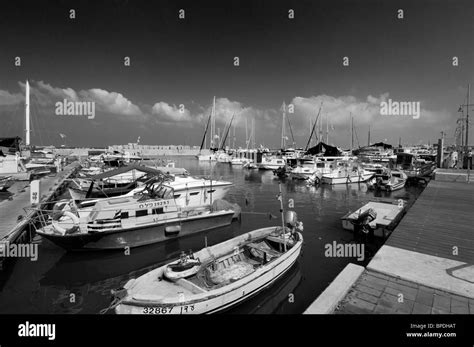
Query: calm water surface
x=45, y=286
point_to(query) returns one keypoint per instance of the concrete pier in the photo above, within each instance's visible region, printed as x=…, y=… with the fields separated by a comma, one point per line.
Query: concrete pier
x=426, y=265
x=14, y=219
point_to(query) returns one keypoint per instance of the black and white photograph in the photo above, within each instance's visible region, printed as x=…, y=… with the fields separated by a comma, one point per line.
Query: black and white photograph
x=308, y=160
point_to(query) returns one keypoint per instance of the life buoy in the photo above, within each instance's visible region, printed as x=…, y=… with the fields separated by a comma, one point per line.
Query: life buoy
x=62, y=230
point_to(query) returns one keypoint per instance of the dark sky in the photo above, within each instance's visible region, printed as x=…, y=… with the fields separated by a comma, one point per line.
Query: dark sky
x=189, y=61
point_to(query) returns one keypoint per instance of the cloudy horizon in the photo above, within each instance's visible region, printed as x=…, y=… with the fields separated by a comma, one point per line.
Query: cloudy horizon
x=178, y=65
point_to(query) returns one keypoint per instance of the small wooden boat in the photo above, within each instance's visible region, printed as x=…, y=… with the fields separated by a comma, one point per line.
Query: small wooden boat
x=231, y=272
x=380, y=217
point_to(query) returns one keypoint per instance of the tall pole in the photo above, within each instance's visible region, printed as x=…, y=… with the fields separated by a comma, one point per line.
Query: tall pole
x=246, y=134
x=467, y=116
x=321, y=129
x=213, y=123
x=233, y=141
x=327, y=129
x=368, y=139
x=283, y=126
x=253, y=133
x=27, y=113
x=352, y=132
x=280, y=197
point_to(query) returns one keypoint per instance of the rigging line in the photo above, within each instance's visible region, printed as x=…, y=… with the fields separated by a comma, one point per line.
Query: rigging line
x=314, y=126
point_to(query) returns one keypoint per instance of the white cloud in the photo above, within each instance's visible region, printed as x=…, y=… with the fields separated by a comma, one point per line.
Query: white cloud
x=7, y=99
x=111, y=102
x=171, y=113
x=108, y=102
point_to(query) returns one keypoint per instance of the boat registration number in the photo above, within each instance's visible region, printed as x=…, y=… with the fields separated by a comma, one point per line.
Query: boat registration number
x=154, y=204
x=158, y=310
x=167, y=309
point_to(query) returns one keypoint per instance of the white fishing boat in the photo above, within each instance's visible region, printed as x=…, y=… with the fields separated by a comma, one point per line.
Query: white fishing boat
x=190, y=191
x=223, y=157
x=347, y=175
x=388, y=180
x=240, y=161
x=130, y=221
x=272, y=163
x=207, y=157
x=229, y=273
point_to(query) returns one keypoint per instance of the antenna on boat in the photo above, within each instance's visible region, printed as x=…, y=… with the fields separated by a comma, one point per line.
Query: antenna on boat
x=280, y=197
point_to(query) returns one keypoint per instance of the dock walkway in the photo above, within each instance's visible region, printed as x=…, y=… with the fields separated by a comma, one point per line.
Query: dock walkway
x=11, y=227
x=427, y=264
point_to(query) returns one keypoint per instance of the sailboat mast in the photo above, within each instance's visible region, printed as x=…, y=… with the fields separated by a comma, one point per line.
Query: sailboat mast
x=27, y=113
x=246, y=133
x=352, y=132
x=327, y=129
x=321, y=129
x=233, y=140
x=213, y=124
x=467, y=117
x=253, y=133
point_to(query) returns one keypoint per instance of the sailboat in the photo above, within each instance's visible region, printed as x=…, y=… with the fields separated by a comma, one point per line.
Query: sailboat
x=212, y=123
x=222, y=156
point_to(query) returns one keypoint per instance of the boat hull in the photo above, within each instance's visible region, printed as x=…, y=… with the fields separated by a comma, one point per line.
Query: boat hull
x=208, y=157
x=139, y=236
x=347, y=179
x=239, y=291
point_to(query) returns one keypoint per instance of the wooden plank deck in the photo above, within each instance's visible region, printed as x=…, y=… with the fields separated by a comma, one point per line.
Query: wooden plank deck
x=428, y=260
x=441, y=219
x=10, y=210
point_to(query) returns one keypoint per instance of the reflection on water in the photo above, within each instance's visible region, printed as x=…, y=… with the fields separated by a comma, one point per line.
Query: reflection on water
x=61, y=282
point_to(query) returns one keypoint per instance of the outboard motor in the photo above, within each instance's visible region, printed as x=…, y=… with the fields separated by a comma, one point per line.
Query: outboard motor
x=291, y=219
x=362, y=223
x=292, y=222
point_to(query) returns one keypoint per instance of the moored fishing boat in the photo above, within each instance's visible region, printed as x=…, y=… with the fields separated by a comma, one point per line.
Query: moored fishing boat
x=130, y=221
x=347, y=175
x=388, y=180
x=230, y=272
x=240, y=161
x=272, y=163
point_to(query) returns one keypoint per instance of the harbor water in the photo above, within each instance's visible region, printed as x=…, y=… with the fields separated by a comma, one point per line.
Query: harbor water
x=80, y=282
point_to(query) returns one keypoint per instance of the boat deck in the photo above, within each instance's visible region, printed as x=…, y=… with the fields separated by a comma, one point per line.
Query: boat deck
x=160, y=289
